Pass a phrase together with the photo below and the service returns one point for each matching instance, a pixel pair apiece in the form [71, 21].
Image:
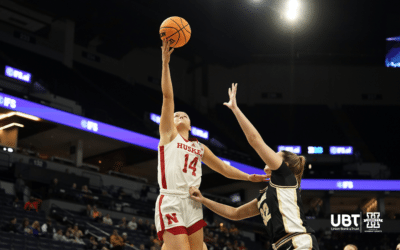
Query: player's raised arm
[167, 127]
[269, 156]
[245, 211]
[230, 172]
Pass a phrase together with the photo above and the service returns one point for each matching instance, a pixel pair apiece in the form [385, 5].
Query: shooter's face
[182, 120]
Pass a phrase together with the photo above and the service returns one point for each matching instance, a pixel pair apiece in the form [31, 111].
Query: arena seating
[301, 124]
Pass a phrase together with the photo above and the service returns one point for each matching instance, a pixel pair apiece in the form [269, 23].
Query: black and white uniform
[282, 211]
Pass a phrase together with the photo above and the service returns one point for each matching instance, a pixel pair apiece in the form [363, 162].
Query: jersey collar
[190, 139]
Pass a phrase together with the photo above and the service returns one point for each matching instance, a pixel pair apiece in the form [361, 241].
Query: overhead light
[12, 124]
[31, 117]
[292, 11]
[10, 150]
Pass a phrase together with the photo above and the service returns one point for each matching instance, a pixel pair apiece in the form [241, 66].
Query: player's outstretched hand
[166, 51]
[232, 97]
[195, 194]
[259, 178]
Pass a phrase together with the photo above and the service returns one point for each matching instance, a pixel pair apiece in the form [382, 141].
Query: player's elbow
[235, 215]
[168, 96]
[254, 140]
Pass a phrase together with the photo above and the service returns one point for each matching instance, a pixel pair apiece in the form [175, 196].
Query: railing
[111, 172]
[107, 234]
[90, 167]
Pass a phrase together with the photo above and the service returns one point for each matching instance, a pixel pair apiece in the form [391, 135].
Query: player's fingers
[229, 91]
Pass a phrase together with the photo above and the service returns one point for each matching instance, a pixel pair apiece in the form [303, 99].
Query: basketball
[176, 30]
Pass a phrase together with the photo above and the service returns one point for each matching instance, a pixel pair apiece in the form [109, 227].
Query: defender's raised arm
[269, 156]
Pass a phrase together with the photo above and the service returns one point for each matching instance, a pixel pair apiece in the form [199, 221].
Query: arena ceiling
[236, 31]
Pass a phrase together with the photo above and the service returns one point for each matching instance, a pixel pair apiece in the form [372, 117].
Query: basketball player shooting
[179, 219]
[280, 202]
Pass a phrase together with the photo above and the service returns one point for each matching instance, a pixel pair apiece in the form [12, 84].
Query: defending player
[179, 220]
[280, 202]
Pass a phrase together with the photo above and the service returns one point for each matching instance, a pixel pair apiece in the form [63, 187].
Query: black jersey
[281, 207]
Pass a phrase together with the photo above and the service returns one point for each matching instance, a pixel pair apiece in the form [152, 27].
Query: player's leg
[165, 248]
[195, 224]
[179, 241]
[196, 240]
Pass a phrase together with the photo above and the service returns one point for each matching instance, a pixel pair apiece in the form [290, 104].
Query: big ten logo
[345, 220]
[162, 34]
[171, 218]
[8, 102]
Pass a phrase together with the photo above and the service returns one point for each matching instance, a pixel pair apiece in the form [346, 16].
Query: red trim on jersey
[174, 231]
[183, 138]
[177, 230]
[161, 218]
[196, 227]
[162, 160]
[190, 139]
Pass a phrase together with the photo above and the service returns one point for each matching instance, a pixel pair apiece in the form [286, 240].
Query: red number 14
[192, 164]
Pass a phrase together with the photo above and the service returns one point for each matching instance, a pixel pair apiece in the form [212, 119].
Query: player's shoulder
[166, 140]
[283, 177]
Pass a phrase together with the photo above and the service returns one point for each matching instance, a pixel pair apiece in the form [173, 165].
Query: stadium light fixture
[12, 124]
[292, 10]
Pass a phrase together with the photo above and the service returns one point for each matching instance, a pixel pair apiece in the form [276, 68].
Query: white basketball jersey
[179, 165]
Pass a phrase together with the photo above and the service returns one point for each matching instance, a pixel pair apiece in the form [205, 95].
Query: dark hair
[23, 222]
[296, 164]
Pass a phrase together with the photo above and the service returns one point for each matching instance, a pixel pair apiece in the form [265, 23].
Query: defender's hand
[259, 178]
[195, 194]
[232, 97]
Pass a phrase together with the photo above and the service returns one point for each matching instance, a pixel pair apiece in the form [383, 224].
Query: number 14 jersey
[179, 165]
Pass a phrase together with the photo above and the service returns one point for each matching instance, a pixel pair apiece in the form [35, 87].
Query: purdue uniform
[282, 211]
[179, 167]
